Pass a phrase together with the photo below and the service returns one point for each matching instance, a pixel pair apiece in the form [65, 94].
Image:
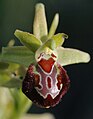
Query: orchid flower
[43, 54]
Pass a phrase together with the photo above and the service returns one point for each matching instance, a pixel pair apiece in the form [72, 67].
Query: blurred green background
[76, 20]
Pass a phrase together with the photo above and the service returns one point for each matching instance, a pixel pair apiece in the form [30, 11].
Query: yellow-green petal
[59, 39]
[29, 40]
[54, 25]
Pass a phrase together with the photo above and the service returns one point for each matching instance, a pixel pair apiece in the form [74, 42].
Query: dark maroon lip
[39, 87]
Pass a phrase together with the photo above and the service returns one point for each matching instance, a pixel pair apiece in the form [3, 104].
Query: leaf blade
[18, 54]
[67, 56]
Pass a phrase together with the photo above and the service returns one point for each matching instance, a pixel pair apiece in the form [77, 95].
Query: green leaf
[18, 54]
[24, 104]
[40, 24]
[59, 39]
[67, 56]
[54, 26]
[13, 103]
[29, 40]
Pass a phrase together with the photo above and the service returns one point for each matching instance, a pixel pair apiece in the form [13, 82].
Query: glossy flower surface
[46, 83]
[44, 56]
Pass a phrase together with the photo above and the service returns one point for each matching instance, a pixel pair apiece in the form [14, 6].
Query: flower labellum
[45, 83]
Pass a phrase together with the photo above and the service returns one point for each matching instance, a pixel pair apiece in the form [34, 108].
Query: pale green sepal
[59, 39]
[67, 56]
[54, 26]
[40, 23]
[18, 54]
[29, 40]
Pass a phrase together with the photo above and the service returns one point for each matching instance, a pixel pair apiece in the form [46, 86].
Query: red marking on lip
[59, 78]
[49, 82]
[40, 55]
[46, 65]
[53, 55]
[37, 80]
